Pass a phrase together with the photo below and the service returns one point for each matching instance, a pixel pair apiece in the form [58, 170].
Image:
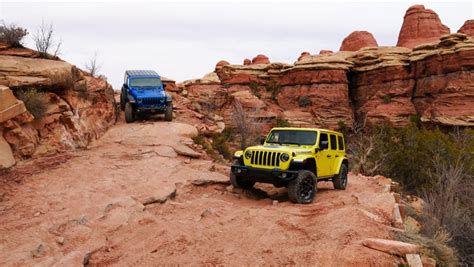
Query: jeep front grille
[152, 101]
[265, 158]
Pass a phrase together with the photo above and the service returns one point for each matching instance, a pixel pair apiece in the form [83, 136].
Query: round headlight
[248, 155]
[284, 157]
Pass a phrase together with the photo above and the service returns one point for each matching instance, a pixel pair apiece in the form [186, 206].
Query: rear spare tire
[129, 113]
[240, 183]
[303, 188]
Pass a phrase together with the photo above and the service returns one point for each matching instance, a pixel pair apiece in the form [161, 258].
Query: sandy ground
[132, 200]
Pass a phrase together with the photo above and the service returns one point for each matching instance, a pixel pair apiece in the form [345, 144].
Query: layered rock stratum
[79, 108]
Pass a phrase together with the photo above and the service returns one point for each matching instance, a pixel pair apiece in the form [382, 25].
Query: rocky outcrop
[247, 61]
[382, 85]
[444, 75]
[260, 59]
[325, 52]
[357, 40]
[467, 28]
[78, 108]
[303, 54]
[222, 63]
[420, 26]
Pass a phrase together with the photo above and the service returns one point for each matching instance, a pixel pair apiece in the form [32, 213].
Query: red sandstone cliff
[420, 26]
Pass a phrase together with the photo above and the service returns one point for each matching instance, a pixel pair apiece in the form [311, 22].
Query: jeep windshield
[289, 137]
[145, 82]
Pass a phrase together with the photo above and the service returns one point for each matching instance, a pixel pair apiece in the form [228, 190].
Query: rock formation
[467, 28]
[222, 63]
[260, 59]
[357, 40]
[247, 61]
[78, 108]
[420, 26]
[325, 52]
[303, 54]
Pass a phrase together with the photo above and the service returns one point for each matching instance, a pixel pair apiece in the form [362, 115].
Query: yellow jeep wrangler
[296, 158]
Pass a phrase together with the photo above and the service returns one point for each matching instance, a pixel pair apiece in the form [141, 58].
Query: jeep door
[324, 160]
[333, 152]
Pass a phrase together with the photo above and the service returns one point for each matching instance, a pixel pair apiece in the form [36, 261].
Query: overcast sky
[185, 40]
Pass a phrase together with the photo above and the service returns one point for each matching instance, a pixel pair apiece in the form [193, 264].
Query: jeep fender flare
[339, 163]
[130, 98]
[302, 163]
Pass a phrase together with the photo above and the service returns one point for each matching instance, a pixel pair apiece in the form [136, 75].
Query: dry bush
[93, 66]
[245, 126]
[45, 41]
[34, 100]
[12, 35]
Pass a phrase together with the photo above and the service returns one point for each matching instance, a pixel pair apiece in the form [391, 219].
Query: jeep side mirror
[125, 86]
[164, 86]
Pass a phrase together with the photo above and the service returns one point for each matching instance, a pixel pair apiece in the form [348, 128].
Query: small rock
[205, 195]
[414, 260]
[229, 188]
[212, 168]
[187, 161]
[275, 202]
[37, 214]
[390, 246]
[38, 252]
[60, 240]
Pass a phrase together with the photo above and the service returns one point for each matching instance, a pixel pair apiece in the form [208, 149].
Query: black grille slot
[152, 101]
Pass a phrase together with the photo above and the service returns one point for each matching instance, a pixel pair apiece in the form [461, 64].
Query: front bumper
[270, 176]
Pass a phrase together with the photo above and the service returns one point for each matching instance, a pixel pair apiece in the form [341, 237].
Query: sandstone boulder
[420, 26]
[222, 63]
[247, 62]
[303, 54]
[467, 28]
[357, 40]
[6, 155]
[260, 59]
[325, 52]
[390, 246]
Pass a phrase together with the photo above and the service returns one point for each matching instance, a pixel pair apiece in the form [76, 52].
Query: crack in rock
[160, 200]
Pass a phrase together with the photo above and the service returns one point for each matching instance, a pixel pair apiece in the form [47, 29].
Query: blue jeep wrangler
[143, 93]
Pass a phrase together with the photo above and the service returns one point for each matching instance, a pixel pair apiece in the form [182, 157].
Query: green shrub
[255, 89]
[12, 35]
[274, 88]
[387, 99]
[219, 143]
[304, 101]
[34, 100]
[280, 122]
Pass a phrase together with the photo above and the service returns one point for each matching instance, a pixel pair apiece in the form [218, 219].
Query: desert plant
[45, 41]
[12, 35]
[281, 122]
[304, 101]
[255, 89]
[219, 143]
[245, 126]
[274, 88]
[387, 99]
[93, 66]
[34, 100]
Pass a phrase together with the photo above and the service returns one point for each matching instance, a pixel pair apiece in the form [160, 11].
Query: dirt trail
[131, 199]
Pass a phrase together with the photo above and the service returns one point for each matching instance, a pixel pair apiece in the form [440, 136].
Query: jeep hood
[152, 93]
[281, 148]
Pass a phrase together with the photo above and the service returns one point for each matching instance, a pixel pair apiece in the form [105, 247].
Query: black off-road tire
[169, 112]
[303, 189]
[129, 113]
[122, 102]
[340, 181]
[239, 183]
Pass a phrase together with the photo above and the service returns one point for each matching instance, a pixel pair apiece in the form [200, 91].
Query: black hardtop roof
[142, 73]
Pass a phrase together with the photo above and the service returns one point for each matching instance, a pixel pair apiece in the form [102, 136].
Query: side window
[340, 142]
[333, 142]
[323, 141]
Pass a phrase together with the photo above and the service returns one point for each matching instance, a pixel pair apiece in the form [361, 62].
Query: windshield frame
[267, 140]
[159, 85]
